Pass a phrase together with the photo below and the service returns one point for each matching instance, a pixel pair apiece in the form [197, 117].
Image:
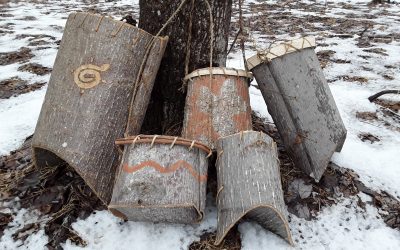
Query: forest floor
[356, 205]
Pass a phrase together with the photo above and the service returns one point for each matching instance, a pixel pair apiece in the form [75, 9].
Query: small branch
[234, 42]
[373, 97]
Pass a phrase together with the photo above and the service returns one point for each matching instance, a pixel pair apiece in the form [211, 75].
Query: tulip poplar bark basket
[161, 179]
[249, 184]
[103, 75]
[300, 102]
[217, 104]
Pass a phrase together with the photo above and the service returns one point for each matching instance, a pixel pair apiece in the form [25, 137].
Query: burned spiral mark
[87, 76]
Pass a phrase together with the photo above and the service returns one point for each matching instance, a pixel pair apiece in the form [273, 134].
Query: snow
[342, 226]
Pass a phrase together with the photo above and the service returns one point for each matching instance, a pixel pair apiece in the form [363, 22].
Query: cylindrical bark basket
[103, 68]
[161, 179]
[217, 104]
[300, 102]
[249, 184]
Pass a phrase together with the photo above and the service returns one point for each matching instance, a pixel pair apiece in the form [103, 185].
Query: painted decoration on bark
[87, 76]
[180, 164]
[161, 179]
[216, 105]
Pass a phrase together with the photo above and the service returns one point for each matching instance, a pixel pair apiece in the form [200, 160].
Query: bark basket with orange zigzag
[217, 104]
[161, 179]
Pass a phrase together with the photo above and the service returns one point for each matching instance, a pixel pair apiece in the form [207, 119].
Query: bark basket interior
[300, 102]
[161, 179]
[103, 67]
[217, 104]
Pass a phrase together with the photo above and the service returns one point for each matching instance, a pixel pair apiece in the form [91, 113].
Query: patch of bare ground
[15, 86]
[63, 196]
[206, 242]
[57, 192]
[20, 56]
[35, 68]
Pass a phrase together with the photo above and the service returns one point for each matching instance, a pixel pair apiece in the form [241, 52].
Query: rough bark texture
[303, 109]
[88, 97]
[249, 184]
[217, 106]
[159, 183]
[166, 108]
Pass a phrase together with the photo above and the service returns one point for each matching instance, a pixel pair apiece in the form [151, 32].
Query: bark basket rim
[289, 239]
[163, 139]
[123, 24]
[219, 71]
[280, 50]
[113, 208]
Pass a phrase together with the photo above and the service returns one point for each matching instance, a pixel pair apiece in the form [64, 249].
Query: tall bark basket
[217, 104]
[161, 179]
[249, 184]
[102, 67]
[299, 100]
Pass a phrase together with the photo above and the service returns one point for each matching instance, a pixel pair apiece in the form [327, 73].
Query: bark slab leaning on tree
[161, 179]
[299, 100]
[249, 184]
[102, 67]
[216, 105]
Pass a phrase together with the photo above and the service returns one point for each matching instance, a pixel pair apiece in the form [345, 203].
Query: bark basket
[299, 100]
[249, 184]
[217, 104]
[161, 179]
[103, 68]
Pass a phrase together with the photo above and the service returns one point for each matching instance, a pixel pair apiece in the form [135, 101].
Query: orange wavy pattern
[174, 167]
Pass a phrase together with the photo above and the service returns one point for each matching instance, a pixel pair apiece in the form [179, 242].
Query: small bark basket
[103, 68]
[299, 100]
[249, 184]
[161, 179]
[217, 104]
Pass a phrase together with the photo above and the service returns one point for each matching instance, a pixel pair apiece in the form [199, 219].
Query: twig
[384, 92]
[234, 42]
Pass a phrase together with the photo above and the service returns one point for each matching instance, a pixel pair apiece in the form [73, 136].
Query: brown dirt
[16, 86]
[20, 56]
[35, 68]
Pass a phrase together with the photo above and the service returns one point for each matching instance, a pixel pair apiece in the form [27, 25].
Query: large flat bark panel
[90, 90]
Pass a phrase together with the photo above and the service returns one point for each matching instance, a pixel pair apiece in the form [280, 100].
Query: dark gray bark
[87, 101]
[303, 109]
[166, 109]
[161, 182]
[216, 107]
[249, 184]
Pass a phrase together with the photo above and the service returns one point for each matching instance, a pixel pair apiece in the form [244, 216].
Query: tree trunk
[165, 112]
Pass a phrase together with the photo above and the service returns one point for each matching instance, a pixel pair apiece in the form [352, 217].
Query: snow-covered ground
[342, 226]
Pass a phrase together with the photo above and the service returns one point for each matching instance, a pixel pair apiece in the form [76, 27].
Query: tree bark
[161, 179]
[216, 107]
[249, 184]
[300, 102]
[166, 109]
[90, 90]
